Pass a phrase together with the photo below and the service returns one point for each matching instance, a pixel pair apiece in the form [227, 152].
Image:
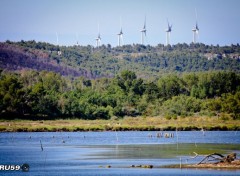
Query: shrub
[182, 105]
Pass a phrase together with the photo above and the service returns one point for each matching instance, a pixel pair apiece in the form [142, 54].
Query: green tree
[170, 86]
[231, 104]
[12, 95]
[181, 105]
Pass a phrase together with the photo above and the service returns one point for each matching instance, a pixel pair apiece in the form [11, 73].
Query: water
[89, 153]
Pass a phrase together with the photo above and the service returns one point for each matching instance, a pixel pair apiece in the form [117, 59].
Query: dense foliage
[132, 80]
[32, 94]
[106, 61]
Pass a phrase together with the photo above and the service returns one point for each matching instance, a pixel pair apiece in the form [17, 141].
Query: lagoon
[91, 153]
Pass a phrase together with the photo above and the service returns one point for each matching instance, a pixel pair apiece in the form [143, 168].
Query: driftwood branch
[193, 157]
[219, 158]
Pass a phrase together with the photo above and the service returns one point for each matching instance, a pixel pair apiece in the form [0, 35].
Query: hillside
[40, 80]
[107, 61]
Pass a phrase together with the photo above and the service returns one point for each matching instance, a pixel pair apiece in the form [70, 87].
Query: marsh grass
[124, 124]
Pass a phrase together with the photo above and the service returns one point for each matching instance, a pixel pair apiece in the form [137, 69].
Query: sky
[78, 20]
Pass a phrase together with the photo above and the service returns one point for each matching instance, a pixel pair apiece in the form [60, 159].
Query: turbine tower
[58, 50]
[120, 36]
[57, 37]
[168, 31]
[195, 33]
[98, 39]
[77, 38]
[143, 31]
[195, 30]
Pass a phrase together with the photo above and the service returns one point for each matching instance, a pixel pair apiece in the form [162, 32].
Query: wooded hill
[106, 61]
[40, 80]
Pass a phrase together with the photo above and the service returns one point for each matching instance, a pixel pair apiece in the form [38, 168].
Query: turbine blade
[196, 20]
[168, 23]
[196, 13]
[145, 24]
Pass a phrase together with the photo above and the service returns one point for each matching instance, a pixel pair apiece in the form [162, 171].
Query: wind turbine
[98, 39]
[58, 51]
[195, 30]
[168, 31]
[120, 36]
[77, 38]
[143, 31]
[57, 37]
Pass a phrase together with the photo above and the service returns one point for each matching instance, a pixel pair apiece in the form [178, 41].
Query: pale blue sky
[219, 20]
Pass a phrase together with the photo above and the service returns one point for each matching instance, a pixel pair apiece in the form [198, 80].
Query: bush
[174, 116]
[182, 105]
[101, 113]
[168, 117]
[224, 117]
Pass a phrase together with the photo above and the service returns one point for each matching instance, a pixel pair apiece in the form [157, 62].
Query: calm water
[88, 153]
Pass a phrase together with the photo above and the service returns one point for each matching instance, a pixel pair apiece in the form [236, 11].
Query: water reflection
[88, 153]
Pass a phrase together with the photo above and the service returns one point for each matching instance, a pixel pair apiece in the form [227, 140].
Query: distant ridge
[14, 57]
[106, 61]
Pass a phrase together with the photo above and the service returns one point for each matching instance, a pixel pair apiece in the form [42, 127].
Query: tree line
[48, 95]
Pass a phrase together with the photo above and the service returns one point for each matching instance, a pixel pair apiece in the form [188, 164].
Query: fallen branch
[218, 157]
[193, 157]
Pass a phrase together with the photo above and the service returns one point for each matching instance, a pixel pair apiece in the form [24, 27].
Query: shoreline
[124, 124]
[205, 166]
[93, 129]
[83, 129]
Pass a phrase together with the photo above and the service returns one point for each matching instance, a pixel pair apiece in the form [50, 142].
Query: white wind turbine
[195, 30]
[59, 51]
[120, 35]
[168, 31]
[143, 31]
[77, 38]
[98, 39]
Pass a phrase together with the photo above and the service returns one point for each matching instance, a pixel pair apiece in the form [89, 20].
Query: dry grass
[127, 123]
